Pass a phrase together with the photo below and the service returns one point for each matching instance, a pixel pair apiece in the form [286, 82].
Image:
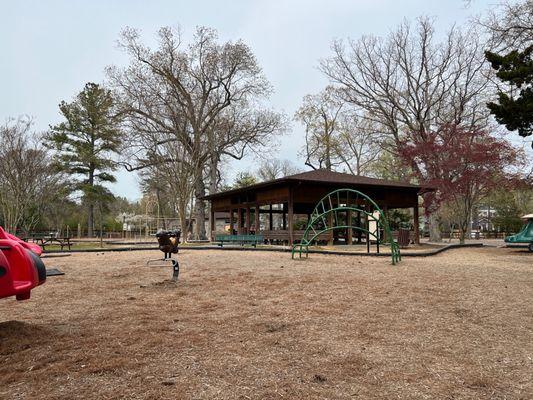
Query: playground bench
[240, 239]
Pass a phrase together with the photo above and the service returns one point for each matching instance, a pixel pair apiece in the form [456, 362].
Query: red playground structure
[30, 246]
[21, 268]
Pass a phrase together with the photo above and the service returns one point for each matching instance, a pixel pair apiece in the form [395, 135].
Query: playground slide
[525, 235]
[21, 270]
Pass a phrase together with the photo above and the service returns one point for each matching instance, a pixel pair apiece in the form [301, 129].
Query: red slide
[21, 269]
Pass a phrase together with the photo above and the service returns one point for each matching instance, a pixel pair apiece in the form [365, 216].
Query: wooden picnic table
[44, 241]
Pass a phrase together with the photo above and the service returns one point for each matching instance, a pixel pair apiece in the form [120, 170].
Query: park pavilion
[279, 209]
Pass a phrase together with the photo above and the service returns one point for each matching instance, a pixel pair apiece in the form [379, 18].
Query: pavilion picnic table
[239, 239]
[47, 240]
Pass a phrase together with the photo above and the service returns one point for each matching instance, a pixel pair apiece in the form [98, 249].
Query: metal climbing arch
[327, 216]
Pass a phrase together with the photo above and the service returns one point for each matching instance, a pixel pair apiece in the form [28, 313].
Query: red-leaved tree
[463, 164]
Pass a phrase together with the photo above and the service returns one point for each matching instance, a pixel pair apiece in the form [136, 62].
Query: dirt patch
[240, 325]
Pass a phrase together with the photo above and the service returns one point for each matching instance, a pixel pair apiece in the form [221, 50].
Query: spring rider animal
[168, 244]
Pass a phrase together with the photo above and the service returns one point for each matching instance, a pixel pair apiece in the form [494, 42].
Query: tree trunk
[473, 221]
[466, 223]
[160, 208]
[462, 236]
[101, 225]
[434, 228]
[182, 211]
[90, 220]
[90, 216]
[328, 152]
[12, 215]
[212, 186]
[199, 208]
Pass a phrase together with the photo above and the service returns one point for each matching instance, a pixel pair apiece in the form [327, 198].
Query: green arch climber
[325, 218]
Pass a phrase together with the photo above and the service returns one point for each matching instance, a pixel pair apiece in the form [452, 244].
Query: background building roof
[324, 177]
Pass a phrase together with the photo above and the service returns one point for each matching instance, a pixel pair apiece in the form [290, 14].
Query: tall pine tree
[85, 143]
[514, 109]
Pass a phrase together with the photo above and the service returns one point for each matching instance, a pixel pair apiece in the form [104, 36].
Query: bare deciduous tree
[408, 82]
[509, 25]
[359, 144]
[336, 135]
[274, 168]
[205, 96]
[319, 114]
[172, 178]
[27, 180]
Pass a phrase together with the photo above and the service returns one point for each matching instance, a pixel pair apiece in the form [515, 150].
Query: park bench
[239, 239]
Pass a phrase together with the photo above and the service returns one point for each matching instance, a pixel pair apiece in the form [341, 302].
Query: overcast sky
[50, 49]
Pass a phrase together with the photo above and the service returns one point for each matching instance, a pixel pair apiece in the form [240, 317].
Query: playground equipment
[21, 269]
[327, 217]
[168, 244]
[30, 246]
[525, 235]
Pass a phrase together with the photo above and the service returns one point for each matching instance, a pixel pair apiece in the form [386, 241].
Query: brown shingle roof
[323, 176]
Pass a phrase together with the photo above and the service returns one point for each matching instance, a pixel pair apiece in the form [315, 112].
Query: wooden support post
[284, 217]
[349, 238]
[367, 224]
[330, 224]
[385, 210]
[359, 233]
[256, 218]
[270, 219]
[213, 225]
[231, 222]
[248, 220]
[416, 223]
[239, 221]
[378, 237]
[291, 215]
